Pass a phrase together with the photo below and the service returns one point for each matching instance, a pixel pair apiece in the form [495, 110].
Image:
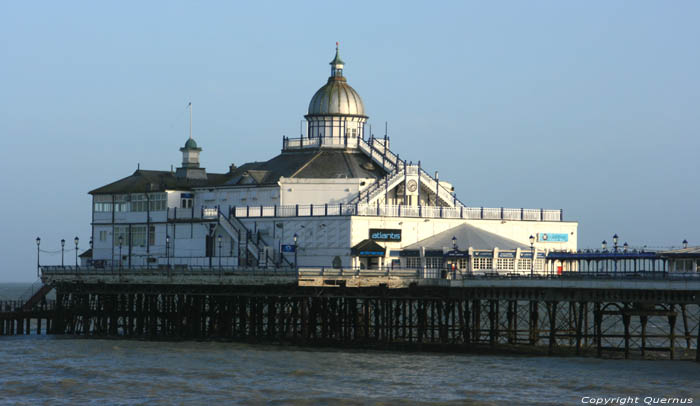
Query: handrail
[352, 272]
[363, 209]
[441, 187]
[248, 237]
[396, 165]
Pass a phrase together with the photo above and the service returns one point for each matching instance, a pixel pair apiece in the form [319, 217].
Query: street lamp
[121, 241]
[615, 239]
[38, 243]
[532, 252]
[63, 244]
[219, 240]
[296, 238]
[604, 245]
[625, 246]
[167, 249]
[685, 243]
[454, 243]
[76, 240]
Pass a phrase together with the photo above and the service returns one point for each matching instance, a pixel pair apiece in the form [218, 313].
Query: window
[121, 203]
[524, 264]
[123, 232]
[483, 263]
[138, 236]
[413, 262]
[684, 265]
[505, 263]
[103, 235]
[102, 203]
[433, 262]
[103, 207]
[353, 133]
[186, 203]
[462, 263]
[152, 235]
[138, 202]
[157, 201]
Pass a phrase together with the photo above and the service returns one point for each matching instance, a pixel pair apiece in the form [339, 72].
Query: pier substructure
[598, 322]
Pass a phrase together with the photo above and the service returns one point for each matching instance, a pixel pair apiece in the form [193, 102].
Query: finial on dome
[337, 63]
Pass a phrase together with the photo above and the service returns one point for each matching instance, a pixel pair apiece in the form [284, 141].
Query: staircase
[396, 171]
[257, 246]
[36, 297]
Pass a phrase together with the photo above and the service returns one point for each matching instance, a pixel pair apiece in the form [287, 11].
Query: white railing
[315, 142]
[362, 209]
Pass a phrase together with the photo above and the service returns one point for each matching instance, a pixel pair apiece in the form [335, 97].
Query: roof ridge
[306, 164]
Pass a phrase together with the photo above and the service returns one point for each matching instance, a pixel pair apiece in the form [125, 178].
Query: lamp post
[219, 241]
[604, 245]
[63, 244]
[615, 240]
[76, 241]
[685, 244]
[296, 238]
[121, 241]
[167, 250]
[532, 252]
[38, 244]
[454, 243]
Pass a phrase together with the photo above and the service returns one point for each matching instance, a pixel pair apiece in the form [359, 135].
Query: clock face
[412, 185]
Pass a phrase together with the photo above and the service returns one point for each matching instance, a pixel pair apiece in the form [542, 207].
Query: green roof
[337, 60]
[190, 144]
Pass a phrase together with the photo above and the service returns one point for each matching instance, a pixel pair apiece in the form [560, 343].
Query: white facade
[251, 215]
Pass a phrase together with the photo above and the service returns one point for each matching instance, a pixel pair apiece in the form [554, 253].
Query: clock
[412, 185]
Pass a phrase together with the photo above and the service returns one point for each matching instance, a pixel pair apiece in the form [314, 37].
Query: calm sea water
[38, 370]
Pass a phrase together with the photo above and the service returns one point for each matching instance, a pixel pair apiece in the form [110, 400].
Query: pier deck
[630, 316]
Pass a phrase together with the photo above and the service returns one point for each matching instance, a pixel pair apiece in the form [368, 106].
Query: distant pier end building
[336, 197]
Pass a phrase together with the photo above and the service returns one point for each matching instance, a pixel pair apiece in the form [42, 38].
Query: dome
[336, 97]
[190, 144]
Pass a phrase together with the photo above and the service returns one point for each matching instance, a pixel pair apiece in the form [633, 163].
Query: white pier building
[335, 198]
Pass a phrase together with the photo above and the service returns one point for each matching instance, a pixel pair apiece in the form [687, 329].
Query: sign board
[371, 253]
[529, 255]
[288, 248]
[552, 237]
[384, 234]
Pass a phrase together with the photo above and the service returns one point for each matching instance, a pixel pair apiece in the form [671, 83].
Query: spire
[337, 63]
[190, 106]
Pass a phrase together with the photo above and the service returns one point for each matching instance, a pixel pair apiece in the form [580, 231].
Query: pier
[640, 315]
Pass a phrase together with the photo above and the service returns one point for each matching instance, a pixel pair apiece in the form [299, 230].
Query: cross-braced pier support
[548, 321]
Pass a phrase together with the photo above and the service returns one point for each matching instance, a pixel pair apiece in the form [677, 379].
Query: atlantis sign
[383, 234]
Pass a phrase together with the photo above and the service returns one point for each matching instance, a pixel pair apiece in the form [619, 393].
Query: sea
[51, 370]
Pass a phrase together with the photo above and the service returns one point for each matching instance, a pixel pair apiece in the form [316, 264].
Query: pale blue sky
[587, 106]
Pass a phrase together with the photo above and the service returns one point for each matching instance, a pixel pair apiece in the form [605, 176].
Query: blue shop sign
[383, 234]
[552, 237]
[529, 255]
[288, 248]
